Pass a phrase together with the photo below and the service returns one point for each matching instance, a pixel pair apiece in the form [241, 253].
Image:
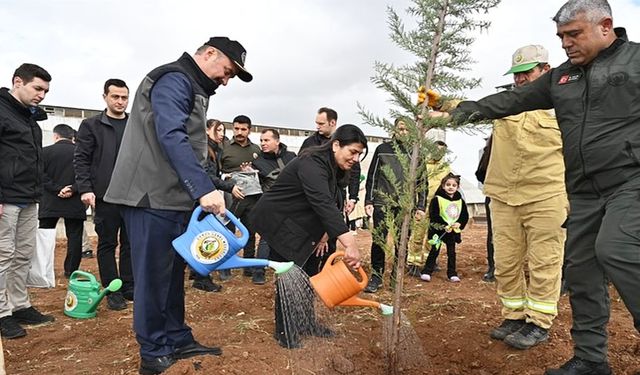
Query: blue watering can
[207, 245]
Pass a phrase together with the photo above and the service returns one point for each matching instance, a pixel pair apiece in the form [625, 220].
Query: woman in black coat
[300, 212]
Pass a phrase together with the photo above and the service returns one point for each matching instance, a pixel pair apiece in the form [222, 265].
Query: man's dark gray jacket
[598, 111]
[143, 175]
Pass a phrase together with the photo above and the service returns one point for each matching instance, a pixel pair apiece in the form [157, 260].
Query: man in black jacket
[595, 97]
[269, 164]
[381, 191]
[97, 144]
[60, 197]
[20, 190]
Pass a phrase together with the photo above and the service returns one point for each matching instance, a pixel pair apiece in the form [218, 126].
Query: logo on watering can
[209, 247]
[71, 301]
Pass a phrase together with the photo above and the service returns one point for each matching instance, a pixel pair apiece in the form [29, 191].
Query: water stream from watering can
[295, 305]
[411, 354]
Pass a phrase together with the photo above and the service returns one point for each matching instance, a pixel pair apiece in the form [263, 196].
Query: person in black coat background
[60, 198]
[269, 164]
[302, 209]
[97, 144]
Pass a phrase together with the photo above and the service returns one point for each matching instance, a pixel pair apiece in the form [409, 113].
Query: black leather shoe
[194, 349]
[30, 315]
[128, 294]
[578, 366]
[156, 365]
[10, 328]
[116, 301]
[206, 284]
[258, 277]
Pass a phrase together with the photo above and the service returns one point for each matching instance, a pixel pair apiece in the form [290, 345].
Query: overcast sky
[302, 54]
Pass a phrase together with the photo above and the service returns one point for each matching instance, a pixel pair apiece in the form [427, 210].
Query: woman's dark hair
[213, 122]
[345, 135]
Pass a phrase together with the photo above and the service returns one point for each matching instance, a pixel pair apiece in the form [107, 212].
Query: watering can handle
[363, 275]
[245, 233]
[77, 273]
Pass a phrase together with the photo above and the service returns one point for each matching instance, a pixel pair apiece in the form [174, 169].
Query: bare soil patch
[452, 322]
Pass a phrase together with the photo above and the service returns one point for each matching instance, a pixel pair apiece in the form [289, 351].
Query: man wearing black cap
[158, 177]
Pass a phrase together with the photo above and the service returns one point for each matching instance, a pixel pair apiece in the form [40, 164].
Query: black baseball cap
[234, 51]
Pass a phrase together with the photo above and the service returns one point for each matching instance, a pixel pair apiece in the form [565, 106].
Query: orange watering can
[337, 285]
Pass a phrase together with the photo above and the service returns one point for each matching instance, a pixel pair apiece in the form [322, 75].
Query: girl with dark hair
[301, 210]
[448, 214]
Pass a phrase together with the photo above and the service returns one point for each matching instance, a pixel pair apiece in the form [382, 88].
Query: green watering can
[84, 294]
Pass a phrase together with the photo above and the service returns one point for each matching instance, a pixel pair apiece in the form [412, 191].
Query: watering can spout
[386, 309]
[237, 262]
[357, 301]
[113, 286]
[280, 267]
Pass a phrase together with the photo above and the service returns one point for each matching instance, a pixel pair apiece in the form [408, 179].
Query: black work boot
[489, 276]
[507, 327]
[527, 336]
[578, 366]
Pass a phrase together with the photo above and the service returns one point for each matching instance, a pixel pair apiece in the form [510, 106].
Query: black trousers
[242, 210]
[603, 244]
[73, 229]
[315, 263]
[382, 230]
[110, 227]
[490, 262]
[430, 264]
[158, 307]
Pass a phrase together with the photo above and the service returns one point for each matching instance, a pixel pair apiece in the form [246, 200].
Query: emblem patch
[617, 78]
[569, 78]
[452, 211]
[209, 247]
[70, 302]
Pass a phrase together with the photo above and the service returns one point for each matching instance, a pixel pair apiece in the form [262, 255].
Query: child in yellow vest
[449, 215]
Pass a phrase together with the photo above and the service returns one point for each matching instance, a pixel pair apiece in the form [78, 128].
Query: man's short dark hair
[275, 133]
[330, 113]
[114, 82]
[64, 131]
[242, 119]
[27, 72]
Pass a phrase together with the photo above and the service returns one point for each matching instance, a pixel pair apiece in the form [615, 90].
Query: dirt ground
[452, 321]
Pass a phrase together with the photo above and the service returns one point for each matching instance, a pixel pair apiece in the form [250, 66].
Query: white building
[292, 137]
